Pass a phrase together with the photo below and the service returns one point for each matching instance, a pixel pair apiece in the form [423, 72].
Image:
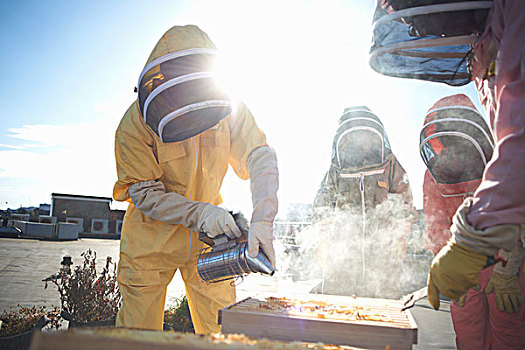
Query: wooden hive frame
[245, 317]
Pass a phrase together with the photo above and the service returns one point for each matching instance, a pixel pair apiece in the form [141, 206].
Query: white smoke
[332, 248]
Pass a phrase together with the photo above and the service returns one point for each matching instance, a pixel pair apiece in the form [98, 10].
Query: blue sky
[69, 67]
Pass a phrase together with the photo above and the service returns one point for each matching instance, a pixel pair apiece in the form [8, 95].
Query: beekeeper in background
[456, 145]
[172, 148]
[363, 211]
[485, 42]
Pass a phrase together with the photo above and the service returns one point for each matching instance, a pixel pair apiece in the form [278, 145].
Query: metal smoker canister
[231, 261]
[225, 259]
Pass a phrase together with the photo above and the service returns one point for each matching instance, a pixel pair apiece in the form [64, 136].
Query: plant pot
[22, 341]
[104, 323]
[78, 324]
[17, 342]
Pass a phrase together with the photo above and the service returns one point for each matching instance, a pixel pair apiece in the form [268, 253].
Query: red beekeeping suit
[440, 202]
[477, 322]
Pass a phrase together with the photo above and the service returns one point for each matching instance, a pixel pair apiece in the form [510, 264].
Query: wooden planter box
[247, 318]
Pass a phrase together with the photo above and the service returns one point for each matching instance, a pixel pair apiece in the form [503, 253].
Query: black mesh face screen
[193, 123]
[173, 69]
[180, 98]
[412, 40]
[455, 145]
[359, 149]
[452, 159]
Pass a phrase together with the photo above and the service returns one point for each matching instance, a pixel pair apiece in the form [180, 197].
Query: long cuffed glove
[215, 221]
[151, 198]
[261, 236]
[264, 183]
[461, 301]
[504, 280]
[456, 267]
[507, 291]
[454, 270]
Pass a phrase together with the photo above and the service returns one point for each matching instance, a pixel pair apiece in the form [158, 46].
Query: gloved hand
[507, 291]
[261, 235]
[461, 301]
[453, 271]
[215, 221]
[264, 182]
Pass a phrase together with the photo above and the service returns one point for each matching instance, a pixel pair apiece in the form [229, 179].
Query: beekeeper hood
[455, 142]
[177, 93]
[360, 141]
[427, 39]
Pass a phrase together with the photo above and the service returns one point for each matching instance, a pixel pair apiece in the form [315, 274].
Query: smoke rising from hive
[331, 248]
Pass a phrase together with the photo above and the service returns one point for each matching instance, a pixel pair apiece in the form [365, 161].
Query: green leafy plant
[177, 315]
[24, 319]
[86, 296]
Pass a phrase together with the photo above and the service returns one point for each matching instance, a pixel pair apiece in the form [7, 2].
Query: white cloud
[75, 159]
[2, 145]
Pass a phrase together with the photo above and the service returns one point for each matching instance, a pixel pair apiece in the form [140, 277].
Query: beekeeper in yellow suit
[173, 147]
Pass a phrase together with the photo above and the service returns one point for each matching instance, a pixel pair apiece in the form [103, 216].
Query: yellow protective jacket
[151, 250]
[193, 168]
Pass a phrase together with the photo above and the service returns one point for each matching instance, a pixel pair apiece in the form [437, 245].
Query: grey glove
[507, 291]
[215, 221]
[264, 182]
[151, 198]
[261, 236]
[504, 280]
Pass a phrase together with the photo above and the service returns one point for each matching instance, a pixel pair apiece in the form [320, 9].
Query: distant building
[93, 213]
[44, 209]
[117, 216]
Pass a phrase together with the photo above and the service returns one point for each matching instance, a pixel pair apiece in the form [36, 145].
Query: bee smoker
[226, 259]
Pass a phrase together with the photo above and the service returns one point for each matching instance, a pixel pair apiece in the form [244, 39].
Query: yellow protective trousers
[144, 290]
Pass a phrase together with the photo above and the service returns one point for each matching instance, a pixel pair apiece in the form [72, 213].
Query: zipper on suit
[363, 214]
[361, 175]
[194, 174]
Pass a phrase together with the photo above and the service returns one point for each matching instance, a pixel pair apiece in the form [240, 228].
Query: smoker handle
[220, 239]
[410, 299]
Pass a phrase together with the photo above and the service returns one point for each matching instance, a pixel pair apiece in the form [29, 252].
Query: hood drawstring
[361, 175]
[363, 214]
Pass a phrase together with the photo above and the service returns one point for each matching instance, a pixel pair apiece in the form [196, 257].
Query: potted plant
[177, 316]
[87, 298]
[17, 326]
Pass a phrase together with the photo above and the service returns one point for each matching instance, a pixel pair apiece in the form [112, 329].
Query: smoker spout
[260, 263]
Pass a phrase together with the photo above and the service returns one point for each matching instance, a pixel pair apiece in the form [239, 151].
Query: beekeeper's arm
[400, 185]
[437, 222]
[456, 267]
[324, 205]
[326, 196]
[138, 181]
[251, 157]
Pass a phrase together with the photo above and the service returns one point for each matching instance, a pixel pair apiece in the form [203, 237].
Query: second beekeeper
[363, 211]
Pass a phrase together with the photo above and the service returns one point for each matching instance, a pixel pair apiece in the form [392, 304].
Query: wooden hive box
[251, 317]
